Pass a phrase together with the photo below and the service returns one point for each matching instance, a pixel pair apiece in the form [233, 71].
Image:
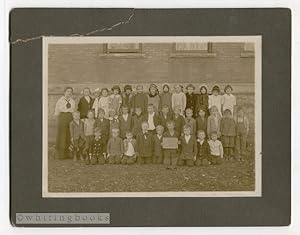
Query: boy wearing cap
[215, 99]
[140, 99]
[191, 99]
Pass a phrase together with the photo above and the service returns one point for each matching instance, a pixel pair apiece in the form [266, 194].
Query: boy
[157, 157]
[103, 124]
[151, 118]
[203, 150]
[127, 98]
[165, 116]
[145, 144]
[77, 135]
[115, 147]
[97, 149]
[216, 149]
[228, 132]
[125, 122]
[188, 147]
[129, 149]
[213, 122]
[178, 120]
[216, 99]
[170, 155]
[137, 121]
[89, 124]
[189, 120]
[191, 98]
[140, 99]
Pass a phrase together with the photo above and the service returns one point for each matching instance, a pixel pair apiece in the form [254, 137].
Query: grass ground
[69, 176]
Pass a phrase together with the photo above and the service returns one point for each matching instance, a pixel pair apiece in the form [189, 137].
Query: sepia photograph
[145, 116]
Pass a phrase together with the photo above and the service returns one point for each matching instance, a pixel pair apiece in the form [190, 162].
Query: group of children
[127, 128]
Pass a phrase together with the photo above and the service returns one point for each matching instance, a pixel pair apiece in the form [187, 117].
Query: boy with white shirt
[129, 149]
[216, 149]
[188, 148]
[152, 118]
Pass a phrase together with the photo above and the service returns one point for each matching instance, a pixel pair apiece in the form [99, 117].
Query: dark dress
[202, 101]
[191, 102]
[84, 106]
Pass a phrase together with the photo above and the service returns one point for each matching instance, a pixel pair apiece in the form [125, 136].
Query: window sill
[122, 55]
[193, 55]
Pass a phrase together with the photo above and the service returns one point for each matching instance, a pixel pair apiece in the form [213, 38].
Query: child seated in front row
[216, 149]
[77, 135]
[98, 148]
[170, 155]
[115, 148]
[129, 149]
[145, 144]
[188, 147]
[203, 150]
[157, 157]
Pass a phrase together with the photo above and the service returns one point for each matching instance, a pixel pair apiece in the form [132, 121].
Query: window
[123, 48]
[192, 49]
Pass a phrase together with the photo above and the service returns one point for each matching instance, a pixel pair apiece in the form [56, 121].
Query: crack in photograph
[170, 116]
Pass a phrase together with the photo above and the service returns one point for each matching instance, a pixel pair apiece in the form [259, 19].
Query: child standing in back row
[154, 98]
[191, 99]
[140, 99]
[104, 102]
[229, 100]
[203, 99]
[216, 100]
[166, 97]
[179, 99]
[115, 99]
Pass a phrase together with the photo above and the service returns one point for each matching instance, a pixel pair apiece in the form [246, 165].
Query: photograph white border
[257, 39]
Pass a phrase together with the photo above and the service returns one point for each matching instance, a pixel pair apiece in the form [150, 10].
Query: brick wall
[81, 65]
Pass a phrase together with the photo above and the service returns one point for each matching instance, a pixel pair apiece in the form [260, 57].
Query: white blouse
[61, 106]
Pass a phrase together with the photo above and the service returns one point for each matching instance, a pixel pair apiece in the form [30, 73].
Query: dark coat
[140, 100]
[202, 101]
[104, 126]
[203, 150]
[156, 119]
[227, 127]
[137, 122]
[163, 120]
[125, 125]
[188, 149]
[76, 130]
[84, 106]
[158, 151]
[144, 144]
[201, 124]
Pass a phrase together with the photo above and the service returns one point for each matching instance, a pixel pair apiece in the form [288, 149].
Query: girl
[179, 98]
[216, 99]
[85, 103]
[213, 122]
[153, 97]
[227, 129]
[242, 130]
[140, 99]
[191, 99]
[95, 107]
[127, 97]
[166, 97]
[115, 99]
[104, 101]
[229, 100]
[203, 99]
[64, 108]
